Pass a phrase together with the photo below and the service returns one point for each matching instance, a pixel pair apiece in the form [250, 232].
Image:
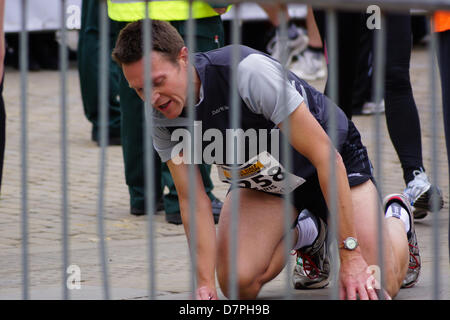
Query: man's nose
[155, 97]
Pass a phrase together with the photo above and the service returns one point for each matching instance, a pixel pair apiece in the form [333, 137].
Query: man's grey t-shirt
[262, 86]
[267, 96]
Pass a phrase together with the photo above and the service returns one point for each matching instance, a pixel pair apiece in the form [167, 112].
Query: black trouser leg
[350, 27]
[444, 64]
[402, 117]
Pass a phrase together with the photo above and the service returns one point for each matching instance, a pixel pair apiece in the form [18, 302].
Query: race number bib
[263, 173]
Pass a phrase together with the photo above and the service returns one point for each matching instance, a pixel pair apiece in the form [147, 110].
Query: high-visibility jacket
[119, 10]
[442, 21]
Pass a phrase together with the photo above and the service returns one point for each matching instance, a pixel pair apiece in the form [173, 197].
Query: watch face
[351, 243]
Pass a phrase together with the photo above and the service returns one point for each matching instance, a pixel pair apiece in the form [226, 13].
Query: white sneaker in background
[419, 193]
[371, 107]
[294, 46]
[309, 65]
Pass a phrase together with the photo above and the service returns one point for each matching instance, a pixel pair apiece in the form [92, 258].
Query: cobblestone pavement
[126, 235]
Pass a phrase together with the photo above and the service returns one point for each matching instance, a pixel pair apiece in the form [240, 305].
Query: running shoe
[412, 274]
[293, 46]
[309, 65]
[371, 107]
[419, 193]
[312, 268]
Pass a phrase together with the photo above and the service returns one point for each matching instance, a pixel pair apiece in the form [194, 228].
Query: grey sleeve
[261, 84]
[162, 143]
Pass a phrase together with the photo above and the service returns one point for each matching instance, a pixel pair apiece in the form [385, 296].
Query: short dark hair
[129, 44]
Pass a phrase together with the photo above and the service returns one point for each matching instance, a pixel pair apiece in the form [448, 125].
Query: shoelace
[411, 254]
[308, 265]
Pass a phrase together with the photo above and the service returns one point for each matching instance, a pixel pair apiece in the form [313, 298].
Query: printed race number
[263, 173]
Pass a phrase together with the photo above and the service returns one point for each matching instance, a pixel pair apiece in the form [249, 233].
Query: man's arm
[206, 232]
[309, 138]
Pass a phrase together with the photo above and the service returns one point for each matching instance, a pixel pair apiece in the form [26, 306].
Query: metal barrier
[331, 7]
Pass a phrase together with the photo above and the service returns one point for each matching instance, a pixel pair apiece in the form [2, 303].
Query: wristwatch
[350, 244]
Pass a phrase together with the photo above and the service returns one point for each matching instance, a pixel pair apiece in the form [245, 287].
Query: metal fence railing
[330, 6]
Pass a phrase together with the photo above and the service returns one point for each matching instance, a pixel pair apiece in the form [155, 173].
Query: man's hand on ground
[355, 279]
[206, 293]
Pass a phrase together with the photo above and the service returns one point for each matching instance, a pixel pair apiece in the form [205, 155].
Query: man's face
[169, 82]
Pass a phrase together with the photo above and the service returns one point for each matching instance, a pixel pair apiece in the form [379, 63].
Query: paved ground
[126, 235]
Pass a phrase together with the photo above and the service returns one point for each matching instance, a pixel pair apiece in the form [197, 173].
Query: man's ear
[183, 55]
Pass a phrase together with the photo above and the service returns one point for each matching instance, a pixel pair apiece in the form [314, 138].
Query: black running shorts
[359, 170]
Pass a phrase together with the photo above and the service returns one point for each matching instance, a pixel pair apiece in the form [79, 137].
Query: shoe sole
[174, 218]
[420, 214]
[137, 212]
[313, 285]
[410, 285]
[320, 74]
[305, 76]
[423, 201]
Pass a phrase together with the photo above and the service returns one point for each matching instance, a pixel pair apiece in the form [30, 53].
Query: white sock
[397, 211]
[307, 229]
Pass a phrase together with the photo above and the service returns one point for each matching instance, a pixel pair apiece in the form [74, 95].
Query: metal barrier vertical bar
[103, 97]
[148, 155]
[331, 31]
[235, 124]
[434, 162]
[191, 120]
[286, 154]
[64, 148]
[379, 76]
[24, 147]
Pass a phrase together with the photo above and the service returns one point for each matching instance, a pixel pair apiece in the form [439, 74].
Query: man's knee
[248, 284]
[393, 285]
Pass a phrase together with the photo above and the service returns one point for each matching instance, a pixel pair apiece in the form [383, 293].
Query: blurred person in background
[402, 117]
[2, 105]
[304, 50]
[442, 27]
[88, 69]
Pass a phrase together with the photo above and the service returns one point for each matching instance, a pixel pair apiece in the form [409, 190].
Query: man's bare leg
[396, 251]
[261, 250]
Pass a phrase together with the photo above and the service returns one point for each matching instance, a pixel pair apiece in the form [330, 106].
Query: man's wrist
[349, 254]
[206, 283]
